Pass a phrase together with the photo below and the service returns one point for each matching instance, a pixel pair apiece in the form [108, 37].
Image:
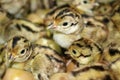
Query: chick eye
[22, 51]
[75, 53]
[85, 2]
[65, 24]
[105, 9]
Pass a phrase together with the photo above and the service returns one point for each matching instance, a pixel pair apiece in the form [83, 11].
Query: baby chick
[103, 9]
[85, 51]
[115, 16]
[94, 29]
[66, 24]
[3, 20]
[44, 62]
[89, 72]
[93, 72]
[16, 49]
[115, 68]
[85, 6]
[15, 7]
[111, 52]
[22, 27]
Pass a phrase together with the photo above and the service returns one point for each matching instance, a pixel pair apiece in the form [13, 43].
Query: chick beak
[52, 26]
[96, 4]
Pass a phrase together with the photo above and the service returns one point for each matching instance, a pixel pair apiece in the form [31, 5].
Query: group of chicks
[61, 39]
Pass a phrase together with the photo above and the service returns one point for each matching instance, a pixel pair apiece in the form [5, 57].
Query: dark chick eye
[85, 2]
[105, 9]
[74, 52]
[27, 49]
[22, 51]
[25, 40]
[89, 23]
[65, 24]
[105, 20]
